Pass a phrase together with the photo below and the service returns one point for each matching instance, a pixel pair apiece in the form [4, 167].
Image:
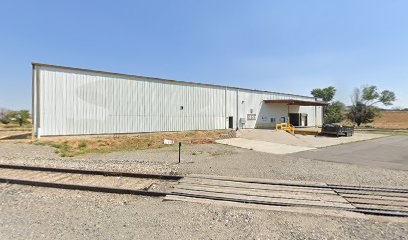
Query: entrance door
[304, 120]
[294, 119]
[230, 122]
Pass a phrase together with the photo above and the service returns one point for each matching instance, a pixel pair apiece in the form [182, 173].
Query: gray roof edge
[165, 80]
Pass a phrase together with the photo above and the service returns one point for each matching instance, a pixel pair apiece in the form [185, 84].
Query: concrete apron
[263, 146]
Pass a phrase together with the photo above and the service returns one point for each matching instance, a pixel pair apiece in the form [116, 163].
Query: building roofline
[34, 64]
[298, 102]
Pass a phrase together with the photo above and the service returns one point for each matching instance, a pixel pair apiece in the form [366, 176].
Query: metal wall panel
[76, 102]
[86, 103]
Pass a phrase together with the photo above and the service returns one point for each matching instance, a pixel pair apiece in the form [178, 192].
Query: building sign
[251, 116]
[168, 141]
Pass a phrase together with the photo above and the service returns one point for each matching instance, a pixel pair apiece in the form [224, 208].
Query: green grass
[63, 149]
[83, 144]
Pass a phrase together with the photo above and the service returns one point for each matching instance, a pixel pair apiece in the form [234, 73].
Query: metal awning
[297, 102]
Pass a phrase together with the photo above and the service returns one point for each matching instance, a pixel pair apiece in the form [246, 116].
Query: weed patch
[69, 147]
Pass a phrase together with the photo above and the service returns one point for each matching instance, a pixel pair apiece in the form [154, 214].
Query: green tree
[20, 117]
[333, 112]
[327, 94]
[364, 109]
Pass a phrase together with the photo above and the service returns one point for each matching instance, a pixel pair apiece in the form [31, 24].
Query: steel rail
[83, 187]
[92, 172]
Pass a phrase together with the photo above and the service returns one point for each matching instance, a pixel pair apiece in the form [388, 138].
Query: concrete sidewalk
[311, 141]
[263, 146]
[281, 142]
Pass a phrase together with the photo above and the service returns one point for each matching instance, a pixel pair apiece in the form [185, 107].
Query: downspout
[33, 102]
[35, 115]
[315, 109]
[37, 103]
[225, 108]
[237, 110]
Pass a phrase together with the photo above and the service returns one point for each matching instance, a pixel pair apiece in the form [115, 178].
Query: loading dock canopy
[297, 102]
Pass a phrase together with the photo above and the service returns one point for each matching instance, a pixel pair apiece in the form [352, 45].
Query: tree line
[15, 117]
[364, 104]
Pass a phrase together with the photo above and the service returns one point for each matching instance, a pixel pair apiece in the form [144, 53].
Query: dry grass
[15, 127]
[394, 120]
[14, 131]
[73, 146]
[386, 120]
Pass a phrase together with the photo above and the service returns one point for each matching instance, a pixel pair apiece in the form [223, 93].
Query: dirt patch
[14, 132]
[73, 146]
[13, 135]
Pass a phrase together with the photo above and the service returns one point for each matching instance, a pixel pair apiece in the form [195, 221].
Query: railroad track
[218, 189]
[86, 180]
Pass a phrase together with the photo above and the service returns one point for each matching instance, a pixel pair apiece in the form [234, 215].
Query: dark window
[181, 107]
[230, 122]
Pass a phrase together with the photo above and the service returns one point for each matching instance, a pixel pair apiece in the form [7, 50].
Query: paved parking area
[389, 152]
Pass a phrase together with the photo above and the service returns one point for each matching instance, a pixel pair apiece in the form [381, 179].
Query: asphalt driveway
[388, 152]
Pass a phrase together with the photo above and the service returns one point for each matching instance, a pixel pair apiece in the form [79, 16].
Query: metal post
[288, 115]
[179, 152]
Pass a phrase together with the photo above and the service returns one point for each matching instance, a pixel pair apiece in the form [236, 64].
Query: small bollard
[179, 152]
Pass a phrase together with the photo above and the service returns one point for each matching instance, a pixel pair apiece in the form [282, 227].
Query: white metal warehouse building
[73, 101]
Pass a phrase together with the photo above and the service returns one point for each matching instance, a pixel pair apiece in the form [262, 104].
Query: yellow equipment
[286, 126]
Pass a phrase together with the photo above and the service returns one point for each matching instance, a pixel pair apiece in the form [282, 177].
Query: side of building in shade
[73, 101]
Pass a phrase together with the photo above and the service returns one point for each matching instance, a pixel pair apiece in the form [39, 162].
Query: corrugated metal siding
[74, 102]
[78, 103]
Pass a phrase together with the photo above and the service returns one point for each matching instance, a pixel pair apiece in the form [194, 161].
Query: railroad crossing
[294, 196]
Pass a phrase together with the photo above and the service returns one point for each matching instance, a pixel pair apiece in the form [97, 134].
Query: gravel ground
[35, 213]
[32, 213]
[213, 159]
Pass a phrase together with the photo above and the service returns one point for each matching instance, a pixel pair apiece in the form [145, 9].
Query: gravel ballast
[34, 213]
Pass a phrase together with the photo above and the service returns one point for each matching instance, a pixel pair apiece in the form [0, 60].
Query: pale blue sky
[284, 46]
